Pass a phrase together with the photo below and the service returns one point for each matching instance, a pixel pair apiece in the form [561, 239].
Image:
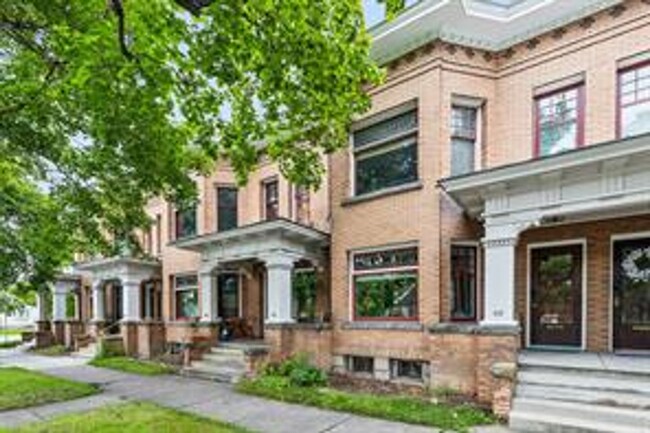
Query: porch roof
[120, 267]
[610, 175]
[254, 240]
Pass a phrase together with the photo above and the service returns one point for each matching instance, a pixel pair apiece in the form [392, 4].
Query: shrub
[298, 371]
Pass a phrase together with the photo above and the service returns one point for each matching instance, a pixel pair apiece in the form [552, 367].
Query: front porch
[567, 246]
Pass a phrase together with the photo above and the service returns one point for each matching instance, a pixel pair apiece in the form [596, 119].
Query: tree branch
[118, 8]
[194, 6]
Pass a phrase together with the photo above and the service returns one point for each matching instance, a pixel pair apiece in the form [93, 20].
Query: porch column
[60, 293]
[499, 282]
[99, 310]
[131, 300]
[279, 269]
[209, 311]
[41, 305]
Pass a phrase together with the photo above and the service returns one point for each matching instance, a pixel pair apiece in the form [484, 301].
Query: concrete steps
[225, 363]
[580, 397]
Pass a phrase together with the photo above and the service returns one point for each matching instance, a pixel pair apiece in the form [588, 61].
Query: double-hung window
[634, 100]
[304, 284]
[271, 199]
[186, 296]
[385, 152]
[559, 121]
[226, 208]
[465, 146]
[301, 197]
[185, 222]
[463, 282]
[385, 284]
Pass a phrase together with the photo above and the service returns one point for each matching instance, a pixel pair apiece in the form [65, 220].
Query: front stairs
[227, 363]
[581, 393]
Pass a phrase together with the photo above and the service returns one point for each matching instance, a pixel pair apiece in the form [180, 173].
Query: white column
[41, 305]
[99, 310]
[279, 269]
[499, 282]
[60, 293]
[209, 311]
[131, 300]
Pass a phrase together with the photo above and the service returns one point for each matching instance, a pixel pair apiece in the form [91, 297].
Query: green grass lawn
[10, 344]
[56, 350]
[13, 332]
[130, 418]
[130, 365]
[22, 388]
[396, 408]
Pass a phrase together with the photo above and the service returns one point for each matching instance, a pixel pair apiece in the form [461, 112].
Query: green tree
[105, 104]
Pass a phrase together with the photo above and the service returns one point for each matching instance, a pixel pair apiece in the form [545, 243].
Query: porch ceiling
[608, 178]
[258, 239]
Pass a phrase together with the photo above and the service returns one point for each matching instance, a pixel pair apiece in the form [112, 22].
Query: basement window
[401, 369]
[360, 364]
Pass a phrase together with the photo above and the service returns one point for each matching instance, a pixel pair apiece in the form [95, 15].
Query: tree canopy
[105, 104]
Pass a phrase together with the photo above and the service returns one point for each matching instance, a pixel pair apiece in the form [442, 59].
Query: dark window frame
[221, 207]
[402, 136]
[302, 204]
[361, 365]
[453, 290]
[397, 367]
[273, 205]
[179, 215]
[580, 116]
[411, 270]
[185, 288]
[474, 136]
[619, 94]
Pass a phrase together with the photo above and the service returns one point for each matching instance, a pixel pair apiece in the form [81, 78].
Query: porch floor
[613, 362]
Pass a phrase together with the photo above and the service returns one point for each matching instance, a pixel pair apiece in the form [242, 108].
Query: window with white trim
[634, 100]
[385, 284]
[465, 140]
[386, 153]
[186, 296]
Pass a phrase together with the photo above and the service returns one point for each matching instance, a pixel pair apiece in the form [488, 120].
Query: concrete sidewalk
[209, 399]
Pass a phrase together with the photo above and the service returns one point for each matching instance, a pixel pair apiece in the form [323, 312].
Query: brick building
[495, 199]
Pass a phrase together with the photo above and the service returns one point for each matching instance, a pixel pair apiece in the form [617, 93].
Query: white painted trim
[612, 240]
[392, 246]
[550, 244]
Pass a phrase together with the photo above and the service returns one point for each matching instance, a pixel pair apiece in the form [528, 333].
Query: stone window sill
[473, 329]
[379, 325]
[411, 186]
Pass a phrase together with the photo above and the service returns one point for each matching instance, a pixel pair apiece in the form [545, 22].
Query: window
[228, 295]
[271, 199]
[404, 369]
[301, 197]
[158, 234]
[634, 100]
[463, 282]
[385, 153]
[385, 284]
[185, 222]
[226, 208]
[186, 295]
[304, 294]
[559, 121]
[360, 364]
[464, 140]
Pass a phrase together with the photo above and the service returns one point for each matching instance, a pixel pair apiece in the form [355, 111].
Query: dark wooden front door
[632, 294]
[228, 296]
[556, 296]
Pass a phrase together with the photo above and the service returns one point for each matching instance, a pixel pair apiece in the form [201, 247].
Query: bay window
[634, 100]
[385, 152]
[186, 296]
[385, 284]
[559, 121]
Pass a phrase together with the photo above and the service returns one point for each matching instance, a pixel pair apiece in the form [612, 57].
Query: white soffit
[492, 25]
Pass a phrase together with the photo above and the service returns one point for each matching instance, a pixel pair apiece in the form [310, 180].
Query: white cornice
[476, 25]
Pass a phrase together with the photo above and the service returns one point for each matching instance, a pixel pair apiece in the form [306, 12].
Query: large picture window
[385, 284]
[385, 153]
[226, 208]
[463, 282]
[186, 296]
[634, 100]
[559, 121]
[185, 222]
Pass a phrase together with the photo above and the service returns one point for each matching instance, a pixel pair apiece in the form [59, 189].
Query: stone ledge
[411, 186]
[318, 326]
[388, 326]
[181, 324]
[473, 329]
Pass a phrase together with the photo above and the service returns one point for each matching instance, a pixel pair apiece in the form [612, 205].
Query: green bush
[297, 371]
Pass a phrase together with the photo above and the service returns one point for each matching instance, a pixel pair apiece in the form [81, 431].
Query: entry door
[556, 296]
[632, 294]
[228, 296]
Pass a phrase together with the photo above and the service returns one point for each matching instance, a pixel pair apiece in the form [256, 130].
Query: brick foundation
[315, 340]
[151, 339]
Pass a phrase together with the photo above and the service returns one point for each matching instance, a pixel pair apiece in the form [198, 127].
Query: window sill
[473, 328]
[411, 186]
[383, 325]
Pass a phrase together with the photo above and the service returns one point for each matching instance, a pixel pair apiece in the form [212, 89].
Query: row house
[494, 201]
